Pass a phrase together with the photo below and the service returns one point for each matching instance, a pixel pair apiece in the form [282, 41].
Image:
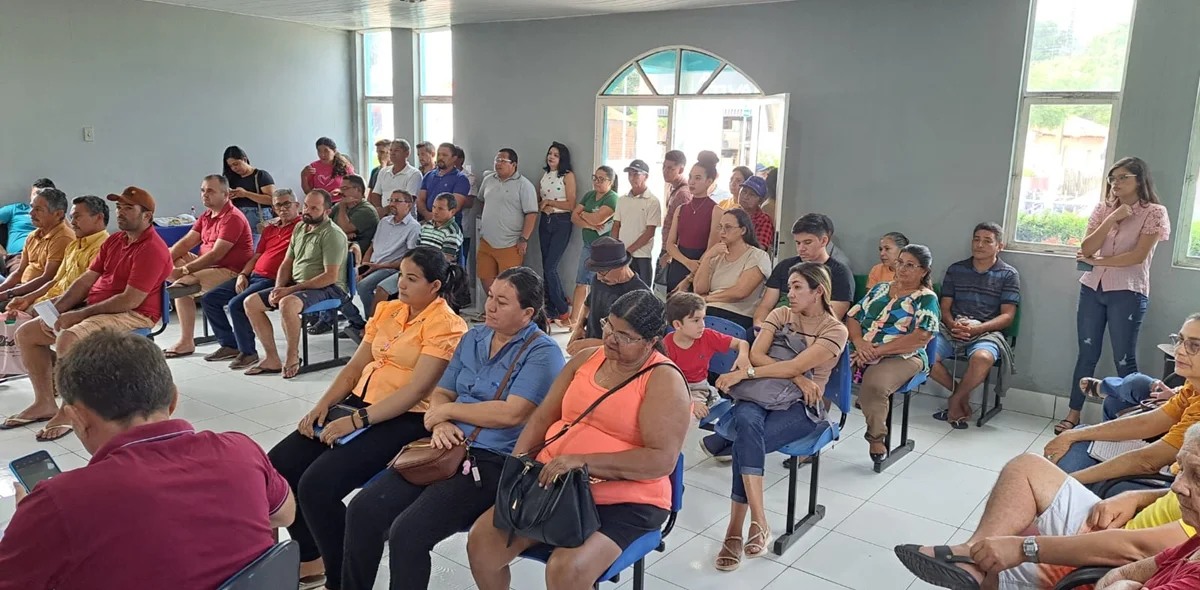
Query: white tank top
[552, 188]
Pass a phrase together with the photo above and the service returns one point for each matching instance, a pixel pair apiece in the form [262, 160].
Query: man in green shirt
[313, 270]
[359, 219]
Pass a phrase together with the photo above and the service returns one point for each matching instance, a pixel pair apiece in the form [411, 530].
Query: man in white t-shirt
[400, 175]
[638, 216]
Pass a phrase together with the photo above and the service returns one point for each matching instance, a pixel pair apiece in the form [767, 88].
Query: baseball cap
[638, 166]
[135, 196]
[757, 185]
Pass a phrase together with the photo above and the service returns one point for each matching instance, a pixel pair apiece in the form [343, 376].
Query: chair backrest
[931, 350]
[722, 362]
[837, 390]
[279, 567]
[860, 287]
[352, 276]
[1013, 328]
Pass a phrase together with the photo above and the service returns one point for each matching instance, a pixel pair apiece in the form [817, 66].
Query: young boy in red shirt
[691, 346]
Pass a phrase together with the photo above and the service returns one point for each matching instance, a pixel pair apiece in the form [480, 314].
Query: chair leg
[639, 574]
[797, 528]
[906, 445]
[208, 337]
[303, 344]
[985, 414]
[336, 361]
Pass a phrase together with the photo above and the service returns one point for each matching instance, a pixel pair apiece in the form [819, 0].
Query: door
[630, 132]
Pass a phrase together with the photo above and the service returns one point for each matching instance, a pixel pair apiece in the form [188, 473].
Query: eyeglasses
[1121, 178]
[598, 178]
[727, 228]
[503, 161]
[1190, 345]
[398, 201]
[606, 331]
[281, 206]
[907, 266]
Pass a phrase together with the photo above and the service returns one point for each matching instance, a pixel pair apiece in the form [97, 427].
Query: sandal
[43, 435]
[1090, 386]
[312, 582]
[258, 370]
[728, 563]
[291, 370]
[938, 570]
[760, 547]
[943, 415]
[1064, 425]
[12, 422]
[960, 424]
[175, 354]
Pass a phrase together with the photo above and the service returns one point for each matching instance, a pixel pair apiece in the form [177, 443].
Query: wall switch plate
[89, 134]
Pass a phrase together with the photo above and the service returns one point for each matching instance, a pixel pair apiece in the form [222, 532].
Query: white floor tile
[937, 489]
[282, 414]
[1018, 421]
[691, 566]
[888, 527]
[989, 447]
[231, 423]
[854, 564]
[796, 579]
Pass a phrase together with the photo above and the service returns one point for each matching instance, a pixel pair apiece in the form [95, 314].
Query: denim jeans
[756, 431]
[1122, 393]
[1122, 312]
[257, 214]
[366, 290]
[240, 335]
[1078, 459]
[554, 232]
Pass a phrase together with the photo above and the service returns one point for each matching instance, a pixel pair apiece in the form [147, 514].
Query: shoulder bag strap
[503, 384]
[589, 409]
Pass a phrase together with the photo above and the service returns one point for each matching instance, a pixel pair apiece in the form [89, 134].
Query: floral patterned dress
[884, 318]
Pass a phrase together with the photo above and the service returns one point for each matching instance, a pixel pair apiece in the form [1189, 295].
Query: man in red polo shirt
[226, 245]
[237, 341]
[159, 505]
[122, 289]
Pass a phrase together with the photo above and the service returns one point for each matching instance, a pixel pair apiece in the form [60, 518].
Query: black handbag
[562, 515]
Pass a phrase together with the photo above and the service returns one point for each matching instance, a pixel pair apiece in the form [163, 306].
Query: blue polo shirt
[20, 225]
[454, 182]
[474, 375]
[979, 295]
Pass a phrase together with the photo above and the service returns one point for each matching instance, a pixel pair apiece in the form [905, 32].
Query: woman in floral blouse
[889, 329]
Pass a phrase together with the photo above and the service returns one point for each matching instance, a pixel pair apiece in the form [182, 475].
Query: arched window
[680, 72]
[683, 98]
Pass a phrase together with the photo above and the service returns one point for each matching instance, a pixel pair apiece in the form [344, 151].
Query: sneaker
[715, 446]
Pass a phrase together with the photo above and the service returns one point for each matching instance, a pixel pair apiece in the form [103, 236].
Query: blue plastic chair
[166, 316]
[837, 391]
[334, 305]
[279, 567]
[635, 554]
[913, 386]
[722, 363]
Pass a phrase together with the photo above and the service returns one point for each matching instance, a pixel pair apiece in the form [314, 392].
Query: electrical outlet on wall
[89, 134]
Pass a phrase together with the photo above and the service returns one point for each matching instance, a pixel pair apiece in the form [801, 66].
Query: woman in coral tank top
[632, 458]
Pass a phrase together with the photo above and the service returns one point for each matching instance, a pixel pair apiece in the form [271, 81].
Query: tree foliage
[1060, 227]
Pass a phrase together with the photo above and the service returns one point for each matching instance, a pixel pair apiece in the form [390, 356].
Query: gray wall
[902, 118]
[166, 89]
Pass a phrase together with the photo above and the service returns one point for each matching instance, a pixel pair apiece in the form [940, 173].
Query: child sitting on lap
[691, 346]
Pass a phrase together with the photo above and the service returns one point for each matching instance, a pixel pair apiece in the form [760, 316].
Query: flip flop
[1064, 425]
[174, 354]
[257, 370]
[289, 368]
[42, 435]
[943, 415]
[938, 570]
[12, 422]
[960, 424]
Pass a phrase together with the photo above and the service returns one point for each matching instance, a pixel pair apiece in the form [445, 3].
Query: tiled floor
[934, 495]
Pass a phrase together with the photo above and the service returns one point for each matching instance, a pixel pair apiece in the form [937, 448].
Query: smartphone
[1081, 265]
[336, 412]
[34, 468]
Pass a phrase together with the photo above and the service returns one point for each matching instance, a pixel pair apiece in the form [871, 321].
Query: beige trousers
[879, 382]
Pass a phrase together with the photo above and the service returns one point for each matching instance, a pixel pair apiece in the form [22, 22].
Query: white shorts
[1067, 515]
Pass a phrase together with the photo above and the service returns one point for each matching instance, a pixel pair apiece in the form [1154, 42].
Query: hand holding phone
[33, 469]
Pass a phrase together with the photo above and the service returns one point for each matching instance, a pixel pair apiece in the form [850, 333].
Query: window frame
[1029, 98]
[1187, 201]
[423, 99]
[366, 144]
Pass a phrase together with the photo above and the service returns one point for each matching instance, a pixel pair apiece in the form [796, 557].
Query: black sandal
[938, 570]
[1093, 388]
[1064, 425]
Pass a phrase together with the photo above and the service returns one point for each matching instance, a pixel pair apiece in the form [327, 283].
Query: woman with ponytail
[328, 171]
[406, 348]
[695, 224]
[411, 518]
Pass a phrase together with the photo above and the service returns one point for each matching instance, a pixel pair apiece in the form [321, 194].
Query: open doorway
[686, 99]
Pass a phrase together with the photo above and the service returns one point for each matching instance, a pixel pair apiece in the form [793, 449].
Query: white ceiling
[367, 14]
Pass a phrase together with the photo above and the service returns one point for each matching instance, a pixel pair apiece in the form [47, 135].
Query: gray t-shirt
[393, 240]
[505, 205]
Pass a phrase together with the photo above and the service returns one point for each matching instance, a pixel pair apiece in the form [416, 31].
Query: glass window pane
[731, 81]
[697, 69]
[1062, 178]
[1194, 230]
[377, 63]
[380, 125]
[1079, 44]
[636, 132]
[437, 122]
[628, 83]
[660, 69]
[437, 75]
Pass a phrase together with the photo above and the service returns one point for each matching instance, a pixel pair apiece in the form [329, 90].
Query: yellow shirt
[1164, 510]
[397, 341]
[79, 256]
[729, 204]
[1184, 407]
[43, 247]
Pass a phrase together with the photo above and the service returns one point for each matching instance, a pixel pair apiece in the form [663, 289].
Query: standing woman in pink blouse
[1121, 235]
[328, 171]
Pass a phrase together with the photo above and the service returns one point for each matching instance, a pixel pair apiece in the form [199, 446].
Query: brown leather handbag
[422, 464]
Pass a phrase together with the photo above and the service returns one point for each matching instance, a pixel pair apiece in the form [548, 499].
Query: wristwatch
[523, 240]
[750, 373]
[1030, 548]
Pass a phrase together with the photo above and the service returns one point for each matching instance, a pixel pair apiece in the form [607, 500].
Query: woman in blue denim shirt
[249, 187]
[412, 519]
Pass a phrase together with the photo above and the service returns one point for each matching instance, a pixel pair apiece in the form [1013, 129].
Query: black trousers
[644, 269]
[321, 476]
[412, 519]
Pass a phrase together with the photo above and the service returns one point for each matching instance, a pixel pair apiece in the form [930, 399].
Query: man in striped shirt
[442, 232]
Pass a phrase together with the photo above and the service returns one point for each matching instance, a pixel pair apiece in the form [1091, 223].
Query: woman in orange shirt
[632, 458]
[889, 252]
[405, 349]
